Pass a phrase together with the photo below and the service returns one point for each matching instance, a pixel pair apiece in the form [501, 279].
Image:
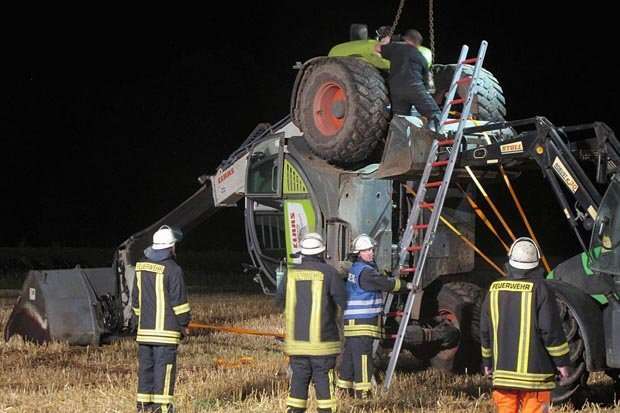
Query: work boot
[144, 407]
[295, 410]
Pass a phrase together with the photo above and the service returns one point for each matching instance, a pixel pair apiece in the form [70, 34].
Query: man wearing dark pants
[159, 301]
[362, 317]
[408, 80]
[309, 293]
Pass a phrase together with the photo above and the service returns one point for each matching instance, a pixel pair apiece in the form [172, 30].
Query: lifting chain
[397, 18]
[431, 27]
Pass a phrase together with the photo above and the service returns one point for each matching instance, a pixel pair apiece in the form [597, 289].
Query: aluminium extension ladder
[418, 236]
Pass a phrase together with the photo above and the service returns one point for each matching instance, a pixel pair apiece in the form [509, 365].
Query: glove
[410, 286]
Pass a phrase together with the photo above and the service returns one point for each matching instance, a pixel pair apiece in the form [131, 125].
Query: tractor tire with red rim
[342, 109]
[460, 304]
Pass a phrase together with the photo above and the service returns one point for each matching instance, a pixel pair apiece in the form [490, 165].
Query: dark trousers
[156, 376]
[356, 365]
[416, 95]
[319, 369]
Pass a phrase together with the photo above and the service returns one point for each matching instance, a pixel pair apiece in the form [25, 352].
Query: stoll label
[32, 294]
[563, 173]
[514, 147]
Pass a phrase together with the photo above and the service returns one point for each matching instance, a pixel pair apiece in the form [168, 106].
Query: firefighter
[362, 317]
[521, 334]
[159, 300]
[309, 293]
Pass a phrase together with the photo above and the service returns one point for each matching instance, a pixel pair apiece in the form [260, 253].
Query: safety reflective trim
[365, 302]
[136, 311]
[299, 403]
[149, 266]
[144, 398]
[164, 333]
[167, 380]
[332, 389]
[327, 404]
[365, 368]
[304, 348]
[396, 285]
[516, 375]
[160, 310]
[289, 308]
[370, 311]
[494, 307]
[344, 384]
[518, 286]
[139, 281]
[364, 386]
[161, 399]
[524, 332]
[158, 340]
[305, 275]
[524, 384]
[486, 352]
[557, 351]
[363, 330]
[315, 311]
[180, 309]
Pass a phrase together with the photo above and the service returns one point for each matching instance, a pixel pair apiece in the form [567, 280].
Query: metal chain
[397, 18]
[431, 27]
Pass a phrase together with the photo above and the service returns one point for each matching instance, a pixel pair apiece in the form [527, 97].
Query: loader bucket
[406, 149]
[62, 305]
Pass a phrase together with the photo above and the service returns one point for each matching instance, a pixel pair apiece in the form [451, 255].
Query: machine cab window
[264, 171]
[605, 244]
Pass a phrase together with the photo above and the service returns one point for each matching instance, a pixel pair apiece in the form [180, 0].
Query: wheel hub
[329, 108]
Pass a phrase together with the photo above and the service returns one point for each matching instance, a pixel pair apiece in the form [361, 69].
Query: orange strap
[235, 330]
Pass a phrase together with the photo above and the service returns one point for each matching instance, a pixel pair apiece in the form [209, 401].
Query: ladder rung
[470, 60]
[419, 226]
[451, 121]
[427, 205]
[439, 163]
[407, 270]
[445, 142]
[414, 248]
[456, 101]
[434, 184]
[394, 314]
[463, 80]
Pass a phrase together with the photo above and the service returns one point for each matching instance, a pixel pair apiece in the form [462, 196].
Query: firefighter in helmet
[521, 334]
[362, 317]
[309, 293]
[159, 301]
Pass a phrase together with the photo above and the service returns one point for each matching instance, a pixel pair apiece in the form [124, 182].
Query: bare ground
[219, 373]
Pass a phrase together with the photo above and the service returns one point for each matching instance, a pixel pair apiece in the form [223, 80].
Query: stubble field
[219, 372]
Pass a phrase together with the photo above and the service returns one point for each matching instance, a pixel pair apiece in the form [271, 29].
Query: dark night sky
[112, 115]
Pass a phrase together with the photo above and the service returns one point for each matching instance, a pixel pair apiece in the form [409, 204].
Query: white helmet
[363, 242]
[312, 243]
[164, 238]
[524, 254]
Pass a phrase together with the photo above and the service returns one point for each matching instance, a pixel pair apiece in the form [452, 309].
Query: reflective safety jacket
[159, 300]
[521, 333]
[365, 299]
[310, 293]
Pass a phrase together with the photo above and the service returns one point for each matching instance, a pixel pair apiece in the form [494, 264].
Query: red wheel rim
[329, 108]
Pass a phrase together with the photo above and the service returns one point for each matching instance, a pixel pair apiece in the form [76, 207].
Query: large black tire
[489, 103]
[460, 304]
[342, 109]
[574, 388]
